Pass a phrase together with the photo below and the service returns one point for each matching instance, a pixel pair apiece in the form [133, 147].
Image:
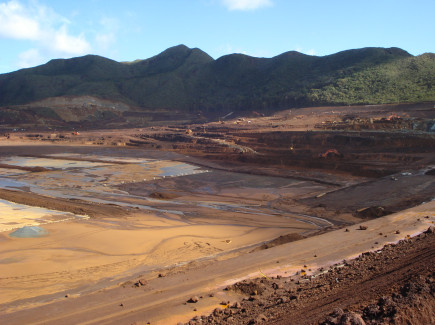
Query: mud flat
[146, 215]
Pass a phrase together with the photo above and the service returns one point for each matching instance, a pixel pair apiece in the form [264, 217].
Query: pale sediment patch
[14, 216]
[82, 253]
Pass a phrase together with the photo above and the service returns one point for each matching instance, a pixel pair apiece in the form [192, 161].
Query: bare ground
[392, 285]
[382, 167]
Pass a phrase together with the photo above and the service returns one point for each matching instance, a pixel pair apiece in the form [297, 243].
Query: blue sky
[34, 31]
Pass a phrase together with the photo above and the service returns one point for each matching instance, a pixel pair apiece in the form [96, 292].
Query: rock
[361, 227]
[397, 232]
[258, 320]
[351, 318]
[372, 311]
[276, 286]
[283, 300]
[329, 320]
[337, 312]
[193, 299]
[430, 230]
[237, 305]
[261, 318]
[217, 312]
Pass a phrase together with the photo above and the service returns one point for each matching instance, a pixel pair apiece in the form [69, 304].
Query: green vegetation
[408, 80]
[190, 80]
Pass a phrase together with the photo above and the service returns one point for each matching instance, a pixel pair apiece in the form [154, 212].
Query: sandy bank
[161, 300]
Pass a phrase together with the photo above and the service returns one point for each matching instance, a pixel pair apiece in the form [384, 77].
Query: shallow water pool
[14, 216]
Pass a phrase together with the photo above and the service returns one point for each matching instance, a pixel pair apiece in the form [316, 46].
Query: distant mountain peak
[173, 58]
[178, 49]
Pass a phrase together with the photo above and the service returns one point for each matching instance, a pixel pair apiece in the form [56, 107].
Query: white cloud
[17, 23]
[45, 29]
[68, 44]
[29, 58]
[246, 4]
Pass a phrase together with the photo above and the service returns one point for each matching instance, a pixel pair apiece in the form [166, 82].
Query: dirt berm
[393, 285]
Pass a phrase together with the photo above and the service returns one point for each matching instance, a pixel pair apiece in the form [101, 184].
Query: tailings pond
[162, 186]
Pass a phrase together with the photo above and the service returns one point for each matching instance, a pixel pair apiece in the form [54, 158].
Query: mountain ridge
[189, 80]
